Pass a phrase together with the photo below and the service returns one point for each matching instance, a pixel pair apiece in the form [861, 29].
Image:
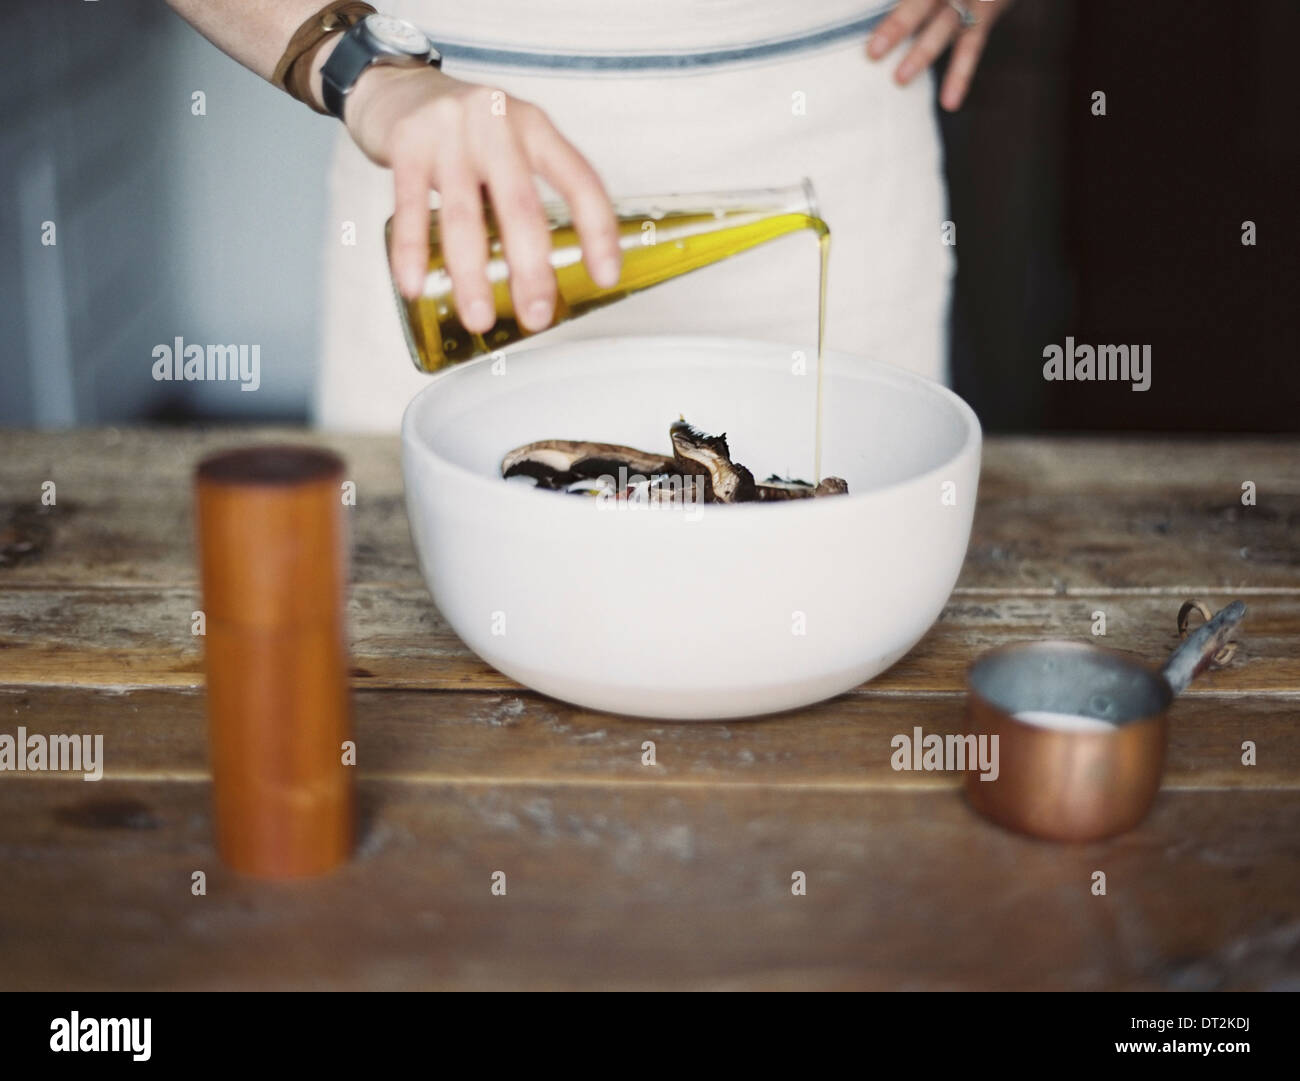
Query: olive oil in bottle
[661, 237]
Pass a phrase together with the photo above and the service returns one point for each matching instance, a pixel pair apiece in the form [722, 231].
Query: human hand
[935, 24]
[459, 139]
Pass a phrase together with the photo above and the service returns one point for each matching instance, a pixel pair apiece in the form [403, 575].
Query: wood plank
[1176, 464]
[124, 511]
[141, 637]
[1079, 514]
[525, 738]
[676, 876]
[1144, 626]
[620, 887]
[1054, 515]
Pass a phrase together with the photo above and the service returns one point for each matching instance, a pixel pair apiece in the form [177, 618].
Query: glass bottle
[661, 237]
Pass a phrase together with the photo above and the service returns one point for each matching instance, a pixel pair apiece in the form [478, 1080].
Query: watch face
[398, 34]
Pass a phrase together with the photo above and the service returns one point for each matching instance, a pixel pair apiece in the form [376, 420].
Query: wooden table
[625, 876]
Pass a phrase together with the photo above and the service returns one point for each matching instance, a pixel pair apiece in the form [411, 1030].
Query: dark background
[1126, 228]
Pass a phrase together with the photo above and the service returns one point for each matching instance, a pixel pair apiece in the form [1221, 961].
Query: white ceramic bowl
[715, 611]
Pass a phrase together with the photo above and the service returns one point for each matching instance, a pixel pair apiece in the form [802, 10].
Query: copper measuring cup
[1089, 763]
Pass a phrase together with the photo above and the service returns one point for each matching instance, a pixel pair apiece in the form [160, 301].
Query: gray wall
[166, 223]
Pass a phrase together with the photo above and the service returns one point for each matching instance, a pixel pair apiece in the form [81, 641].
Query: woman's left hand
[936, 23]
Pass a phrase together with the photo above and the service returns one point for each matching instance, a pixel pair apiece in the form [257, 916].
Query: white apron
[683, 96]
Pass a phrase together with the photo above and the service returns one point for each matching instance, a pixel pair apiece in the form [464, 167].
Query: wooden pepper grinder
[273, 564]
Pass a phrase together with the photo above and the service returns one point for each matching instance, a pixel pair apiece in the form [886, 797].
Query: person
[589, 97]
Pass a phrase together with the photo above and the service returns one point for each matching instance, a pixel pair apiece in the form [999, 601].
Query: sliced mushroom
[558, 463]
[775, 488]
[708, 456]
[625, 473]
[668, 488]
[832, 486]
[778, 488]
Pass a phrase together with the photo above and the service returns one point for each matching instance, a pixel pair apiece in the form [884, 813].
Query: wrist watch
[376, 39]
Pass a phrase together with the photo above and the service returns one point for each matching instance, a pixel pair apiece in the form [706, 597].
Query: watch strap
[293, 73]
[351, 56]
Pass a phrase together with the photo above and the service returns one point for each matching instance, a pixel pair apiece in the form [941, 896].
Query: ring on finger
[969, 20]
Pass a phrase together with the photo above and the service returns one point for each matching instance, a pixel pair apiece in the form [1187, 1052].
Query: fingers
[902, 23]
[409, 250]
[558, 162]
[961, 68]
[928, 46]
[463, 233]
[525, 235]
[935, 25]
[459, 139]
